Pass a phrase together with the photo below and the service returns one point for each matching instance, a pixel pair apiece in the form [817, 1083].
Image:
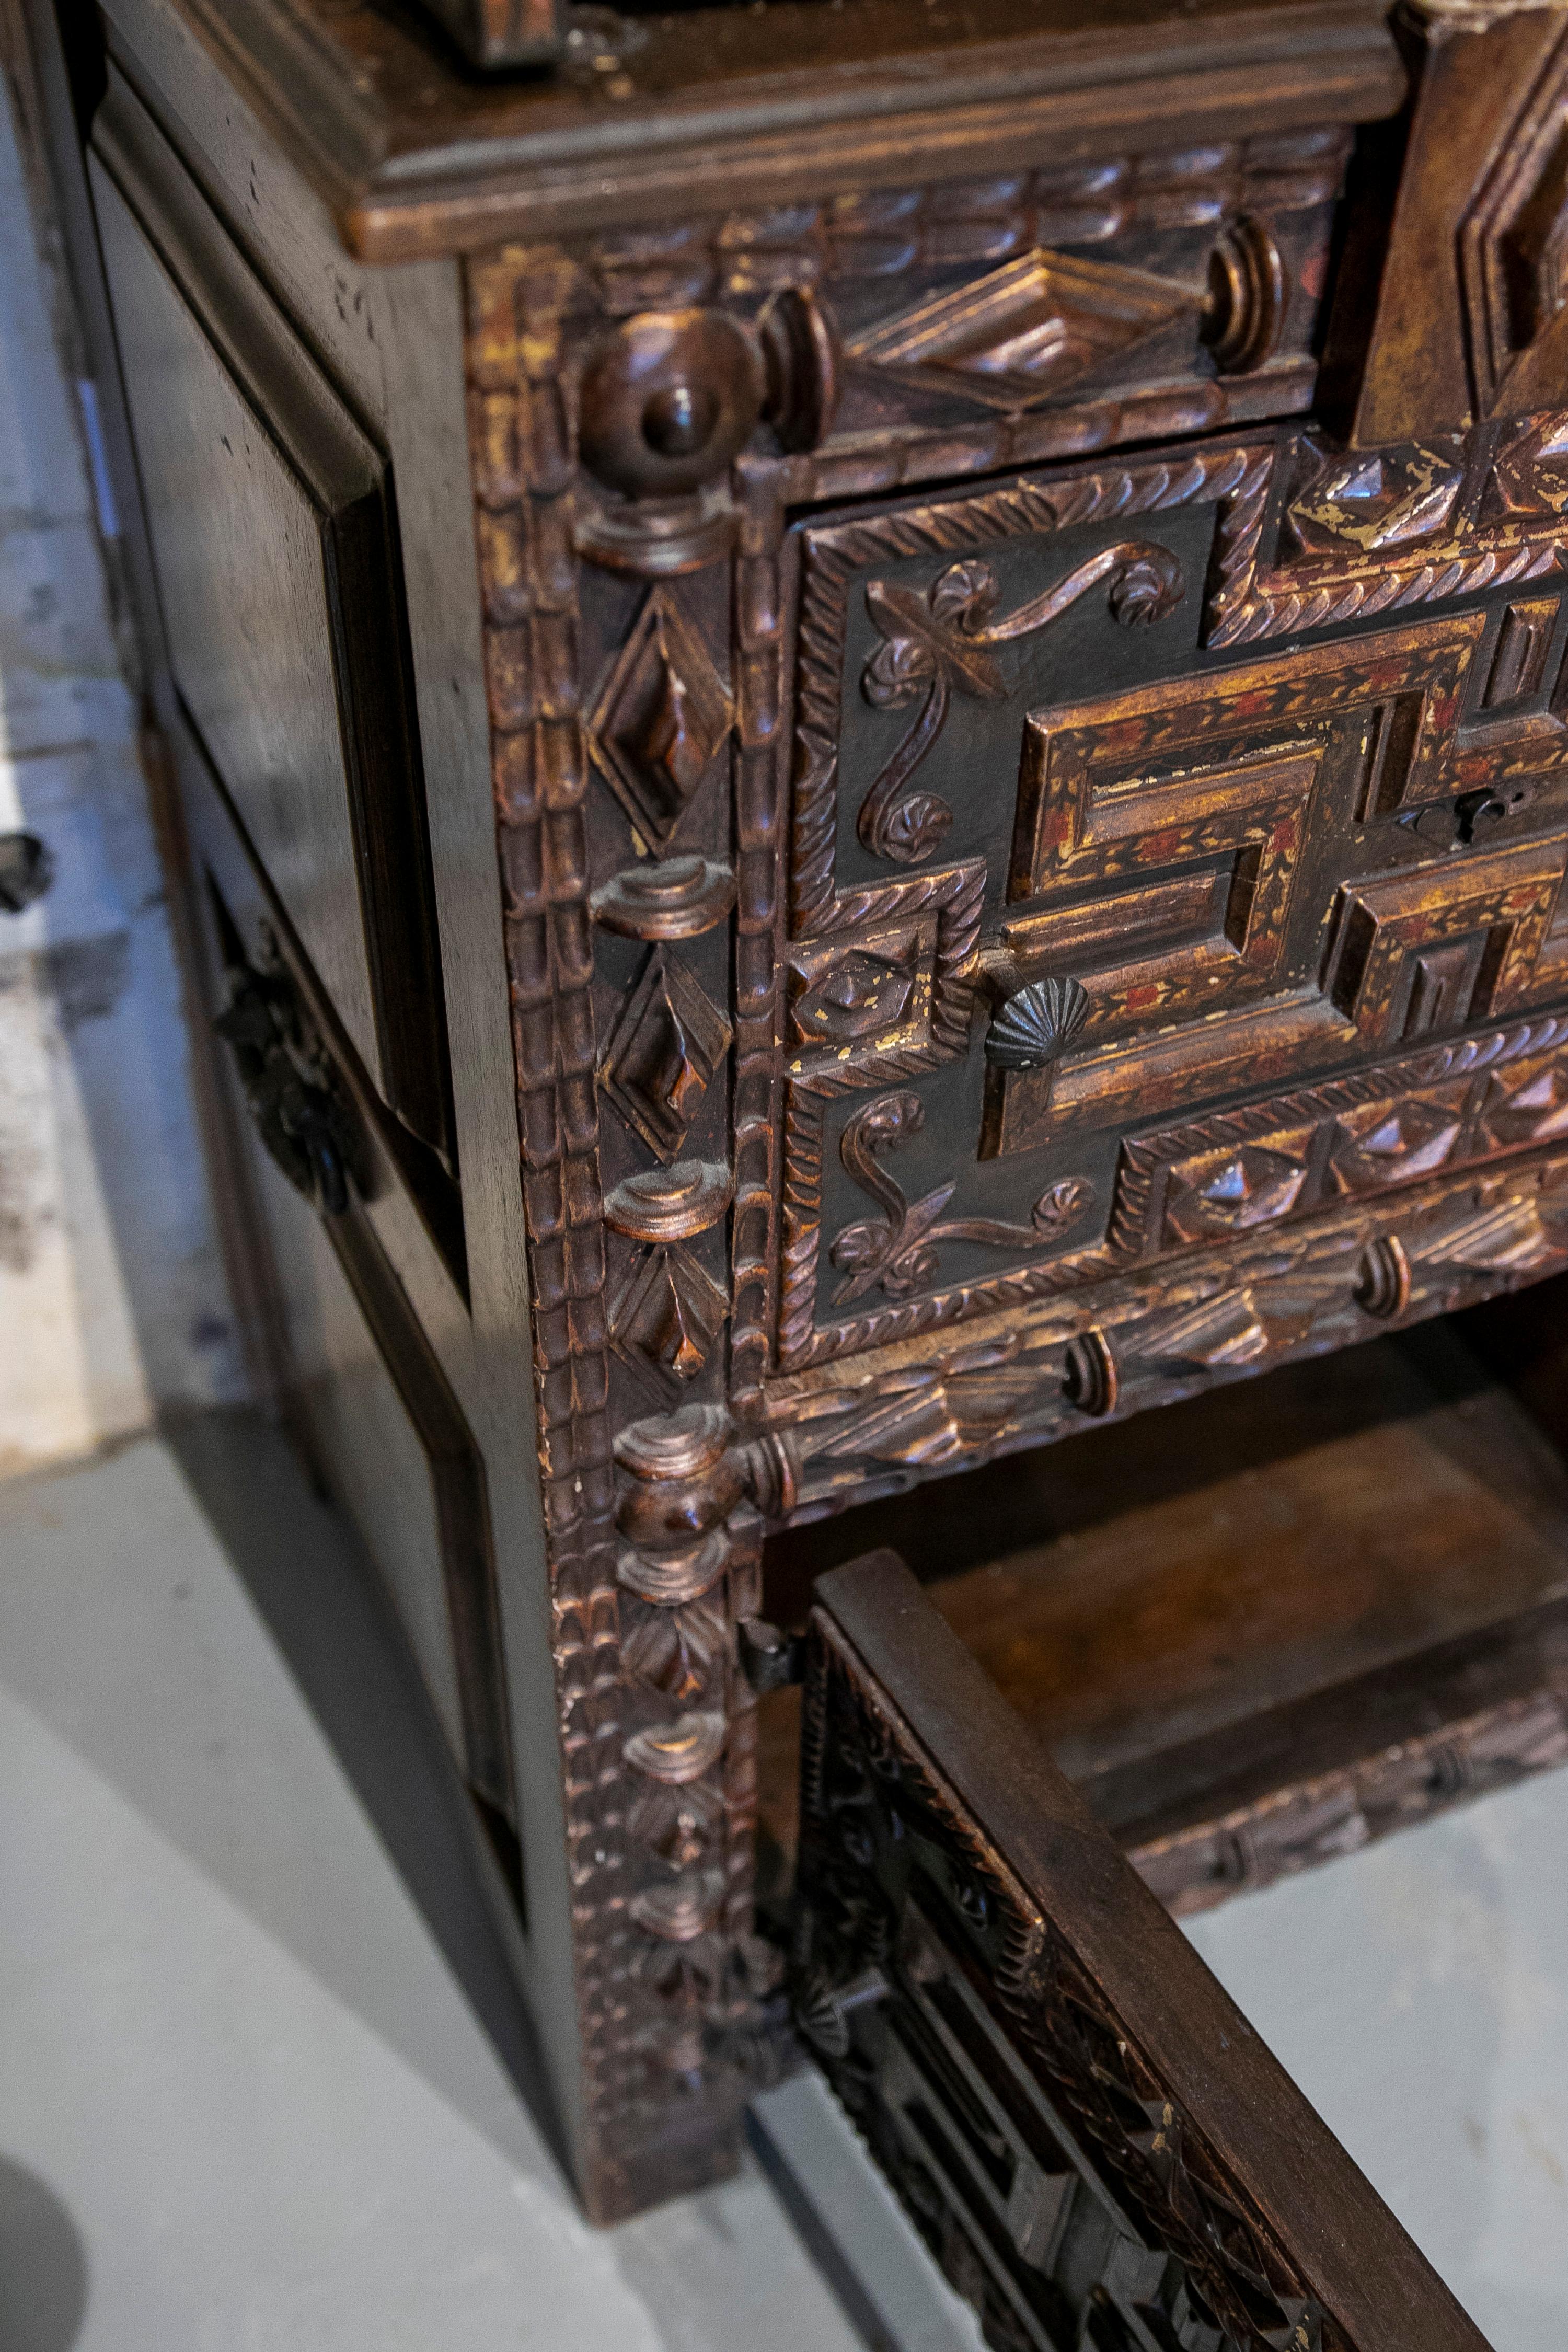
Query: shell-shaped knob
[1035, 1027]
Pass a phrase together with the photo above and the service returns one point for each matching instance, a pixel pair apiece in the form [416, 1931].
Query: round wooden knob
[667, 400]
[800, 356]
[1248, 297]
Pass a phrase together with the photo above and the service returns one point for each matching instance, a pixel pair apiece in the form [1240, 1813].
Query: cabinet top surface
[707, 107]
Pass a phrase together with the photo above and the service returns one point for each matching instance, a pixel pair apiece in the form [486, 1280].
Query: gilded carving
[661, 1056]
[946, 641]
[655, 731]
[898, 1252]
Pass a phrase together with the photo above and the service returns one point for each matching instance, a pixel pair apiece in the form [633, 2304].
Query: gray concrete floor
[244, 2107]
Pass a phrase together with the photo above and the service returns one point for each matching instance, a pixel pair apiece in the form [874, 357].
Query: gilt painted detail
[898, 1252]
[946, 641]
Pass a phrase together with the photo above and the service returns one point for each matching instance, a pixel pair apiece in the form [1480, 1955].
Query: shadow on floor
[329, 1614]
[43, 2265]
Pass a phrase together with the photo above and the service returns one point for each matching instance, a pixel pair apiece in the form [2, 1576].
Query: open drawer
[1086, 2129]
[1262, 1627]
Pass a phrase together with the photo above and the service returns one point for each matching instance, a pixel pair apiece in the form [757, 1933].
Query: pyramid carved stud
[662, 1054]
[856, 997]
[1393, 1142]
[660, 721]
[1026, 332]
[1531, 1107]
[1250, 1188]
[669, 1314]
[1385, 499]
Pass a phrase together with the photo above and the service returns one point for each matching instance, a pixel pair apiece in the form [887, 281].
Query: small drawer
[1145, 893]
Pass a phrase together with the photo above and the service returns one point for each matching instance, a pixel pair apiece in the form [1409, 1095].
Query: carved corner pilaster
[690, 1573]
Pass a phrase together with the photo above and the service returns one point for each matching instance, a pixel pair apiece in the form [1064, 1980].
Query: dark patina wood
[1093, 2139]
[987, 862]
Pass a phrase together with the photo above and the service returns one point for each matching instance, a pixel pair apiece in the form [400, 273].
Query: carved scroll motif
[898, 1251]
[945, 643]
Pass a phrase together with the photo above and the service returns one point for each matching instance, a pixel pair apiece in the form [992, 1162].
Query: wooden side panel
[358, 1371]
[274, 535]
[1084, 2126]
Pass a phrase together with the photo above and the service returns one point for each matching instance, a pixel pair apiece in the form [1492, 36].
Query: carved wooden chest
[872, 718]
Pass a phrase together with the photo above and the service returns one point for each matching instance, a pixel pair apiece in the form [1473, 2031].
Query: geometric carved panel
[1022, 332]
[1514, 251]
[661, 718]
[660, 1058]
[1210, 817]
[1433, 948]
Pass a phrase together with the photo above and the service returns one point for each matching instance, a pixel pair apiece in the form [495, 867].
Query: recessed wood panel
[274, 535]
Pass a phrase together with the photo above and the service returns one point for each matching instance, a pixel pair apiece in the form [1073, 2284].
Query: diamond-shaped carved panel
[1230, 1193]
[1389, 1142]
[1023, 333]
[661, 1055]
[670, 1314]
[1529, 1106]
[660, 721]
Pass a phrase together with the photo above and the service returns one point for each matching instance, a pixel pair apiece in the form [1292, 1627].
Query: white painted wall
[113, 1301]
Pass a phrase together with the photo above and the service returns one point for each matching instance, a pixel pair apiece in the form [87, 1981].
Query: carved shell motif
[1036, 1028]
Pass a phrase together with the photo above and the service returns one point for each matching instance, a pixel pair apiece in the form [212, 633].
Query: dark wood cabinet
[870, 711]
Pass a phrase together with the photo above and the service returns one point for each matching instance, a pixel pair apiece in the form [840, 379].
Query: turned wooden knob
[1248, 297]
[667, 400]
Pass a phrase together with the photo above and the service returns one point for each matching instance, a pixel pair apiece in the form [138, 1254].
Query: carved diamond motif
[1528, 1108]
[1021, 333]
[662, 1053]
[856, 996]
[659, 723]
[1394, 1141]
[1232, 1194]
[1387, 499]
[669, 1313]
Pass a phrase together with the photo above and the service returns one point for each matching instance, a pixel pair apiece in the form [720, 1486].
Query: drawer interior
[1261, 1626]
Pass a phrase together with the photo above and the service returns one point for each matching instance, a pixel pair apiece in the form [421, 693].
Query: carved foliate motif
[898, 1250]
[948, 642]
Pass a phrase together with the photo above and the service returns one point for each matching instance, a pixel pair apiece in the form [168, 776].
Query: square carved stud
[660, 1058]
[669, 1314]
[1390, 1142]
[660, 721]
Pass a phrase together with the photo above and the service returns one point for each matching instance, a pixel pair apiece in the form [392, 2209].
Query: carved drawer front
[1175, 856]
[1090, 2137]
